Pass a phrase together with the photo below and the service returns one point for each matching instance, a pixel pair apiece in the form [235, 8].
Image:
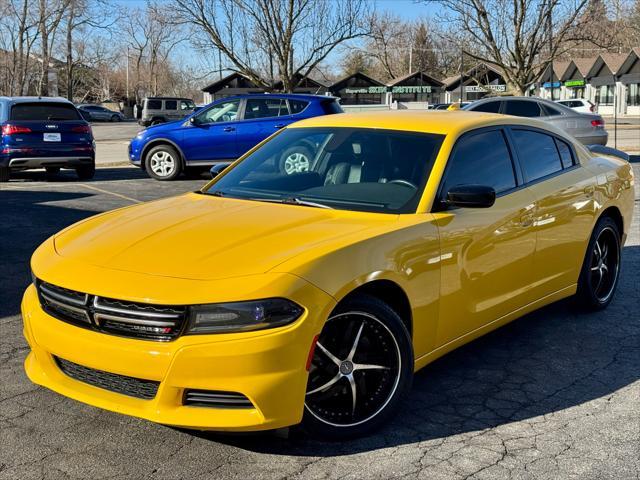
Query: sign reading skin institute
[485, 88]
[397, 89]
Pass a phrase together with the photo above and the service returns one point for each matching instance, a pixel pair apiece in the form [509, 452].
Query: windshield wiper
[292, 201]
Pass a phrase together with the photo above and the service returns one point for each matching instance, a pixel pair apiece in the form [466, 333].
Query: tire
[296, 159]
[4, 174]
[362, 333]
[52, 171]
[601, 267]
[163, 163]
[115, 118]
[86, 172]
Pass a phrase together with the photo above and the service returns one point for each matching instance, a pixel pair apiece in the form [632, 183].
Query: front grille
[215, 399]
[107, 315]
[133, 387]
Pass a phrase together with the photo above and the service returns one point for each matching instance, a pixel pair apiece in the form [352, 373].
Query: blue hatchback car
[224, 130]
[44, 132]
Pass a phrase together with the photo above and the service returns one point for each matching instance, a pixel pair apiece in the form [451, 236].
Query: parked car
[99, 113]
[313, 296]
[157, 110]
[438, 106]
[587, 128]
[224, 130]
[579, 105]
[44, 132]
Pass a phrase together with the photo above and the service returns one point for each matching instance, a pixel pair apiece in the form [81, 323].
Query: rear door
[45, 129]
[262, 117]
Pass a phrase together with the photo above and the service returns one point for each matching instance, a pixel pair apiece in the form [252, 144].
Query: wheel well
[614, 213]
[155, 143]
[390, 293]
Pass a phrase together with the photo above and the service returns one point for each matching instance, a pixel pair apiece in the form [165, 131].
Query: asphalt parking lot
[553, 395]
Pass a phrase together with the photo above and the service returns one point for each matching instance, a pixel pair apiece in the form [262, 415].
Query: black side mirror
[471, 196]
[218, 168]
[194, 121]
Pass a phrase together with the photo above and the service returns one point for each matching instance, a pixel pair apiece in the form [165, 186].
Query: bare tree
[520, 37]
[297, 34]
[388, 45]
[50, 13]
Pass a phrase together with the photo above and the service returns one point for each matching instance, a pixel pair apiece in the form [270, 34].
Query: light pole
[127, 75]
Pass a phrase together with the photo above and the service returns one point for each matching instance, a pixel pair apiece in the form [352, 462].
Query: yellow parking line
[107, 192]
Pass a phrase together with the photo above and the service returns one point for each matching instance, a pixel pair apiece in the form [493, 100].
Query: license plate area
[51, 137]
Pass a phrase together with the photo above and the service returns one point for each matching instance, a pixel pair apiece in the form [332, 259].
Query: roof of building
[406, 77]
[449, 81]
[356, 74]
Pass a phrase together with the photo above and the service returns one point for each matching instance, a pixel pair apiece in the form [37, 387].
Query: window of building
[481, 159]
[537, 153]
[633, 94]
[604, 95]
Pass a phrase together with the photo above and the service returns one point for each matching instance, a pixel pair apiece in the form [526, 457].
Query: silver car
[587, 128]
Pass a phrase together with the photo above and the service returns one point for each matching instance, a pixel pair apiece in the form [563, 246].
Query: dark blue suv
[44, 132]
[224, 130]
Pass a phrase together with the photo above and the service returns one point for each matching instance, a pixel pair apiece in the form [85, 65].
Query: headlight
[242, 316]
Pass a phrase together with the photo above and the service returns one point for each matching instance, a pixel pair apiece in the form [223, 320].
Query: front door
[212, 135]
[487, 254]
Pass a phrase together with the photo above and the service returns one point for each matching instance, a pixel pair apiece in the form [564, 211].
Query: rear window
[171, 104]
[522, 108]
[154, 104]
[331, 106]
[538, 154]
[44, 111]
[489, 107]
[296, 106]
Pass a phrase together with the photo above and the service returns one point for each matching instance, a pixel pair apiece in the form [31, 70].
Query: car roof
[290, 96]
[422, 121]
[35, 100]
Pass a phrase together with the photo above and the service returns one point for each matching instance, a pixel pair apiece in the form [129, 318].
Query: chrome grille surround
[107, 315]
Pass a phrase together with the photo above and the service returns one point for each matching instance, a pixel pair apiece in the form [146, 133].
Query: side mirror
[218, 168]
[194, 121]
[471, 196]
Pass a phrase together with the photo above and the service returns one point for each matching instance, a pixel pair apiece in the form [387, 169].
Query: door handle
[279, 125]
[229, 129]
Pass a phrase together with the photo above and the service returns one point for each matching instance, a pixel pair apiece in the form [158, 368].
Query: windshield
[343, 168]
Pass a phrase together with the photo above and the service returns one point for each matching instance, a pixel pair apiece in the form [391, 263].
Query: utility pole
[410, 59]
[127, 75]
[550, 35]
[461, 73]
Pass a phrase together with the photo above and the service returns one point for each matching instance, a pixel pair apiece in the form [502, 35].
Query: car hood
[164, 127]
[197, 236]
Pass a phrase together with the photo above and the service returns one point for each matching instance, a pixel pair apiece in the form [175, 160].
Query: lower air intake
[215, 399]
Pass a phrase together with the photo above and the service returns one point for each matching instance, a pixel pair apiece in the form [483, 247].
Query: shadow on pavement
[547, 361]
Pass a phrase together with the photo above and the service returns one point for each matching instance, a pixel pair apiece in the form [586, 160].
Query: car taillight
[597, 123]
[13, 129]
[82, 129]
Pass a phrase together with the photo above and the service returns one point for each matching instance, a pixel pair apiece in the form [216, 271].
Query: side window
[296, 106]
[170, 104]
[265, 108]
[489, 107]
[537, 153]
[221, 112]
[186, 105]
[565, 154]
[551, 111]
[522, 108]
[481, 159]
[154, 104]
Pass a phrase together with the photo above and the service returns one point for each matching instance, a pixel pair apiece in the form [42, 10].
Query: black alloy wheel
[361, 369]
[601, 268]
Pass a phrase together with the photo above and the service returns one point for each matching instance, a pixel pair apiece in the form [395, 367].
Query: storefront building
[629, 80]
[573, 79]
[550, 83]
[417, 87]
[477, 83]
[359, 89]
[605, 89]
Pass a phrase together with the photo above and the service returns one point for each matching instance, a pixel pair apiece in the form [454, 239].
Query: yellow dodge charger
[282, 294]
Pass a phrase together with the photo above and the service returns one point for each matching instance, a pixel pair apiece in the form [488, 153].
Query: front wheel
[163, 163]
[601, 267]
[361, 370]
[4, 174]
[115, 118]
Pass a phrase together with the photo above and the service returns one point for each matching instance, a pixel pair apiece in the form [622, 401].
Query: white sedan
[579, 105]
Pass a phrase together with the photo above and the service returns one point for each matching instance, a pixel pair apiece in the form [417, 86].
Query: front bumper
[268, 367]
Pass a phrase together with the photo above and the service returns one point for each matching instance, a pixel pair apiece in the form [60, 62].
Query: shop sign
[574, 83]
[396, 89]
[419, 89]
[551, 85]
[485, 88]
[365, 90]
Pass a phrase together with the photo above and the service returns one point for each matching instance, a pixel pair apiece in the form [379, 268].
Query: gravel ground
[553, 395]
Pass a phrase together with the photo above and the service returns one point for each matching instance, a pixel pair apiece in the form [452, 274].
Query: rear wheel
[115, 118]
[86, 172]
[601, 267]
[52, 171]
[163, 162]
[4, 174]
[296, 159]
[361, 370]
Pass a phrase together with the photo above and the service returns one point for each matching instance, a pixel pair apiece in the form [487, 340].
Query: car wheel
[361, 370]
[601, 267]
[4, 174]
[163, 163]
[296, 159]
[52, 171]
[86, 172]
[115, 118]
